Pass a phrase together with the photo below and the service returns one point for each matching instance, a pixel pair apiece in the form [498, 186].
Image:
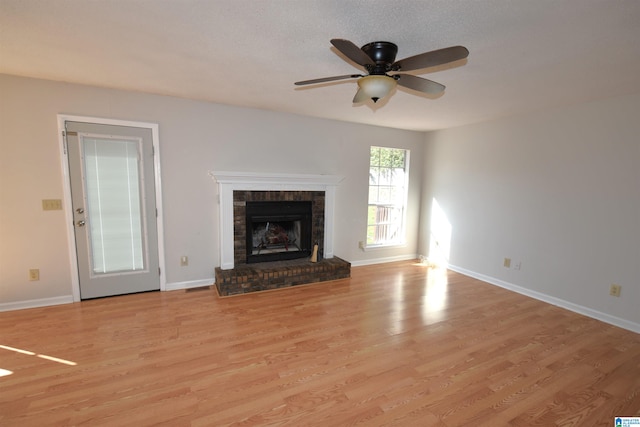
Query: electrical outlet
[184, 261]
[517, 265]
[614, 290]
[361, 244]
[507, 262]
[34, 274]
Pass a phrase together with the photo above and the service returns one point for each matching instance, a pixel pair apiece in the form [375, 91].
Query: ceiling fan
[378, 59]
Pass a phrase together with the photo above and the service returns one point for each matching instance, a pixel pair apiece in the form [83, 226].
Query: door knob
[80, 223]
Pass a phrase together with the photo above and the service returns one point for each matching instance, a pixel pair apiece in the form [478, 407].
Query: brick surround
[240, 198]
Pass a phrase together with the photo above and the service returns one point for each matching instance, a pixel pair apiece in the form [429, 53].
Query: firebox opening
[279, 230]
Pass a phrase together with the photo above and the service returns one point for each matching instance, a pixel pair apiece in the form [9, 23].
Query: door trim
[71, 242]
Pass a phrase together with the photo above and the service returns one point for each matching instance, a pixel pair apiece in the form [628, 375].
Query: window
[388, 182]
[114, 202]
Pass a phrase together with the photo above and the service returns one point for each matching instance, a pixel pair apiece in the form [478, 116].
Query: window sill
[368, 248]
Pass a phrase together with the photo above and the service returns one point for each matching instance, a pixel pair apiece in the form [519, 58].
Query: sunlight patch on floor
[57, 359]
[434, 301]
[42, 356]
[17, 350]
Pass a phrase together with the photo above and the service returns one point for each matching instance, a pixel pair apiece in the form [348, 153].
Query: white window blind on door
[113, 189]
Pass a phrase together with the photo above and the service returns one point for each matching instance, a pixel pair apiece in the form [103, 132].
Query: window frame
[401, 203]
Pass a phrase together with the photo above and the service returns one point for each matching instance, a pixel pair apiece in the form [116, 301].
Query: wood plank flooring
[398, 344]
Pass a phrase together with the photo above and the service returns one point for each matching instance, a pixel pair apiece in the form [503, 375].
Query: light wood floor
[396, 345]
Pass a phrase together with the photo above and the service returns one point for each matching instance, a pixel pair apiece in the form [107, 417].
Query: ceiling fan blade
[419, 84]
[431, 59]
[352, 52]
[327, 79]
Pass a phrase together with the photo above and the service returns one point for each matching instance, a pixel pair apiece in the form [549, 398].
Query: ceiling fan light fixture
[377, 86]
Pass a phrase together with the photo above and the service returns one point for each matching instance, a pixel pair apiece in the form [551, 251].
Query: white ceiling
[525, 55]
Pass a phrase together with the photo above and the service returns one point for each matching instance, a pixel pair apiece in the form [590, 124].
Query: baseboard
[44, 302]
[594, 314]
[383, 260]
[189, 284]
[33, 303]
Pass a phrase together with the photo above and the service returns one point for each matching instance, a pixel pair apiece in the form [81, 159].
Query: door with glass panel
[114, 208]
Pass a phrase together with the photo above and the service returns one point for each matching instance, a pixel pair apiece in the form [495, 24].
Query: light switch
[52, 205]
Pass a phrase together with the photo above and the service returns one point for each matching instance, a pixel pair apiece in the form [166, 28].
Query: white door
[114, 208]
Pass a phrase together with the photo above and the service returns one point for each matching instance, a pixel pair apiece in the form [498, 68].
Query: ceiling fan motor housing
[383, 54]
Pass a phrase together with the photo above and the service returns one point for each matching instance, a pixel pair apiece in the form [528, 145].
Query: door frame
[71, 241]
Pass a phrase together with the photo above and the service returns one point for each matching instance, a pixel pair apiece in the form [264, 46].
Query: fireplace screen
[273, 237]
[278, 230]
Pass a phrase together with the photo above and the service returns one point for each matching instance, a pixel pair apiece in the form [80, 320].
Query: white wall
[558, 191]
[195, 137]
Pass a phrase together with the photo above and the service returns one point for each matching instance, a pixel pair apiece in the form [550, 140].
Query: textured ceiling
[524, 55]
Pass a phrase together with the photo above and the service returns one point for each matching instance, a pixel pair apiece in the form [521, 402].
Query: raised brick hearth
[234, 275]
[280, 274]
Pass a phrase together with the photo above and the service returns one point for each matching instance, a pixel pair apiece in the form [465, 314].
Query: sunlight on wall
[439, 236]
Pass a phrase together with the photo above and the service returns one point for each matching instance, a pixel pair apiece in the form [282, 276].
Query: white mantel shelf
[250, 178]
[228, 182]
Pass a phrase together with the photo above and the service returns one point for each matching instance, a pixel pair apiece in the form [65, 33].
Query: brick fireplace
[235, 275]
[241, 199]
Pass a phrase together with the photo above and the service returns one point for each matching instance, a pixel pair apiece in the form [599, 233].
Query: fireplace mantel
[228, 182]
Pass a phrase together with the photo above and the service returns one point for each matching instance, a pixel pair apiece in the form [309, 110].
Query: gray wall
[558, 191]
[195, 138]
